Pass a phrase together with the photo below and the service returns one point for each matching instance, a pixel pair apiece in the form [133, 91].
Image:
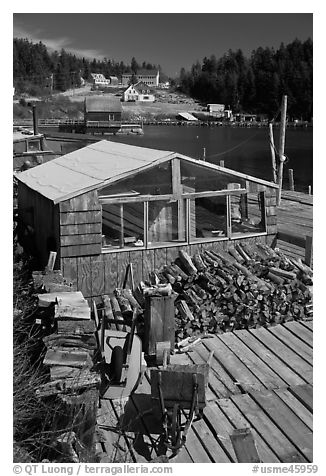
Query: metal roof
[88, 168]
[102, 104]
[187, 116]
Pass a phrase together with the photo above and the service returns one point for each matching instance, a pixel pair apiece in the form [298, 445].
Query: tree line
[34, 67]
[256, 84]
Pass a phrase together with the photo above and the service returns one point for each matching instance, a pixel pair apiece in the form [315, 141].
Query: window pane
[196, 178]
[157, 181]
[131, 233]
[34, 144]
[247, 213]
[165, 222]
[208, 217]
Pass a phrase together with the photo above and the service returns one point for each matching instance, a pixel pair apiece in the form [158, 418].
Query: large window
[247, 212]
[178, 202]
[122, 225]
[166, 222]
[208, 217]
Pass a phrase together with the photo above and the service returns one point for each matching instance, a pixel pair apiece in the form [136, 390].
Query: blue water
[243, 149]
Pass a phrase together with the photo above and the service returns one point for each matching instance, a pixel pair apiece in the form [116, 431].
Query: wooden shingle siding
[79, 218]
[85, 202]
[81, 226]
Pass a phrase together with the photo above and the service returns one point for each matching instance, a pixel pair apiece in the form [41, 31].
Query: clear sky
[173, 40]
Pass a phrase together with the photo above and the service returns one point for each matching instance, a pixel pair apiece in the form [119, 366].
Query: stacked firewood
[245, 287]
[70, 349]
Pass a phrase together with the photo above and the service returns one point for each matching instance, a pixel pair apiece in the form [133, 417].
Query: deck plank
[274, 437]
[304, 393]
[257, 366]
[241, 374]
[240, 420]
[290, 358]
[300, 410]
[295, 430]
[297, 345]
[209, 442]
[285, 372]
[307, 324]
[216, 387]
[219, 371]
[300, 331]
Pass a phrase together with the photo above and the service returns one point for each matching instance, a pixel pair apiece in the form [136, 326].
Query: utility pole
[281, 148]
[272, 147]
[204, 153]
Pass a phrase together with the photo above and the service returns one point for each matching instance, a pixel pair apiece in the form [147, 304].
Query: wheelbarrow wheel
[117, 363]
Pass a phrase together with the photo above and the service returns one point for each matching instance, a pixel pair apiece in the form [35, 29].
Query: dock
[259, 379]
[295, 224]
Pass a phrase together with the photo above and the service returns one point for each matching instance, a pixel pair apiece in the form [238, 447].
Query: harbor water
[245, 149]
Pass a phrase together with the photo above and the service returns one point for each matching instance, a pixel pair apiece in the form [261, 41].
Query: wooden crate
[178, 385]
[159, 322]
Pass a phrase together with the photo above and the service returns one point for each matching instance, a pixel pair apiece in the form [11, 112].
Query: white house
[138, 92]
[99, 80]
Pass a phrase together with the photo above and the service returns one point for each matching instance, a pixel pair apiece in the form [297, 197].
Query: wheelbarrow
[181, 393]
[121, 358]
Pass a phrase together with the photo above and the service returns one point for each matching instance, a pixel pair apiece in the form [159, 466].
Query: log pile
[71, 343]
[245, 287]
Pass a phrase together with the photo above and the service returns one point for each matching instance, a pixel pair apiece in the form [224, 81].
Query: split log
[71, 358]
[242, 253]
[187, 263]
[107, 307]
[81, 312]
[236, 254]
[283, 273]
[117, 312]
[178, 271]
[198, 262]
[76, 327]
[275, 278]
[86, 379]
[184, 310]
[124, 303]
[127, 293]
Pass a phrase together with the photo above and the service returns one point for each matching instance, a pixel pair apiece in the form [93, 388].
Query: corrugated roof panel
[54, 181]
[87, 168]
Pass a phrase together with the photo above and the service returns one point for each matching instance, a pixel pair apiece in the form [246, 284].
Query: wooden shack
[110, 204]
[102, 113]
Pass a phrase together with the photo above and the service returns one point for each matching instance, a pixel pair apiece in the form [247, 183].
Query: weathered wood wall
[42, 216]
[101, 274]
[80, 226]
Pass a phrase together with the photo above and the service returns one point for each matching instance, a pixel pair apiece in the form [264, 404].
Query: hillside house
[99, 80]
[216, 110]
[109, 204]
[114, 81]
[139, 92]
[102, 112]
[148, 76]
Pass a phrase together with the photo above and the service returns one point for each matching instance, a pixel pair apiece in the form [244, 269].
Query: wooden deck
[259, 379]
[295, 219]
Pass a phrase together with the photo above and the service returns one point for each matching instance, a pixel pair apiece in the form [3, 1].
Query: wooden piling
[281, 147]
[291, 180]
[272, 147]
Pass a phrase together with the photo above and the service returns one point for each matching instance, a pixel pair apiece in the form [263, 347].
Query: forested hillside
[256, 84]
[37, 69]
[251, 85]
